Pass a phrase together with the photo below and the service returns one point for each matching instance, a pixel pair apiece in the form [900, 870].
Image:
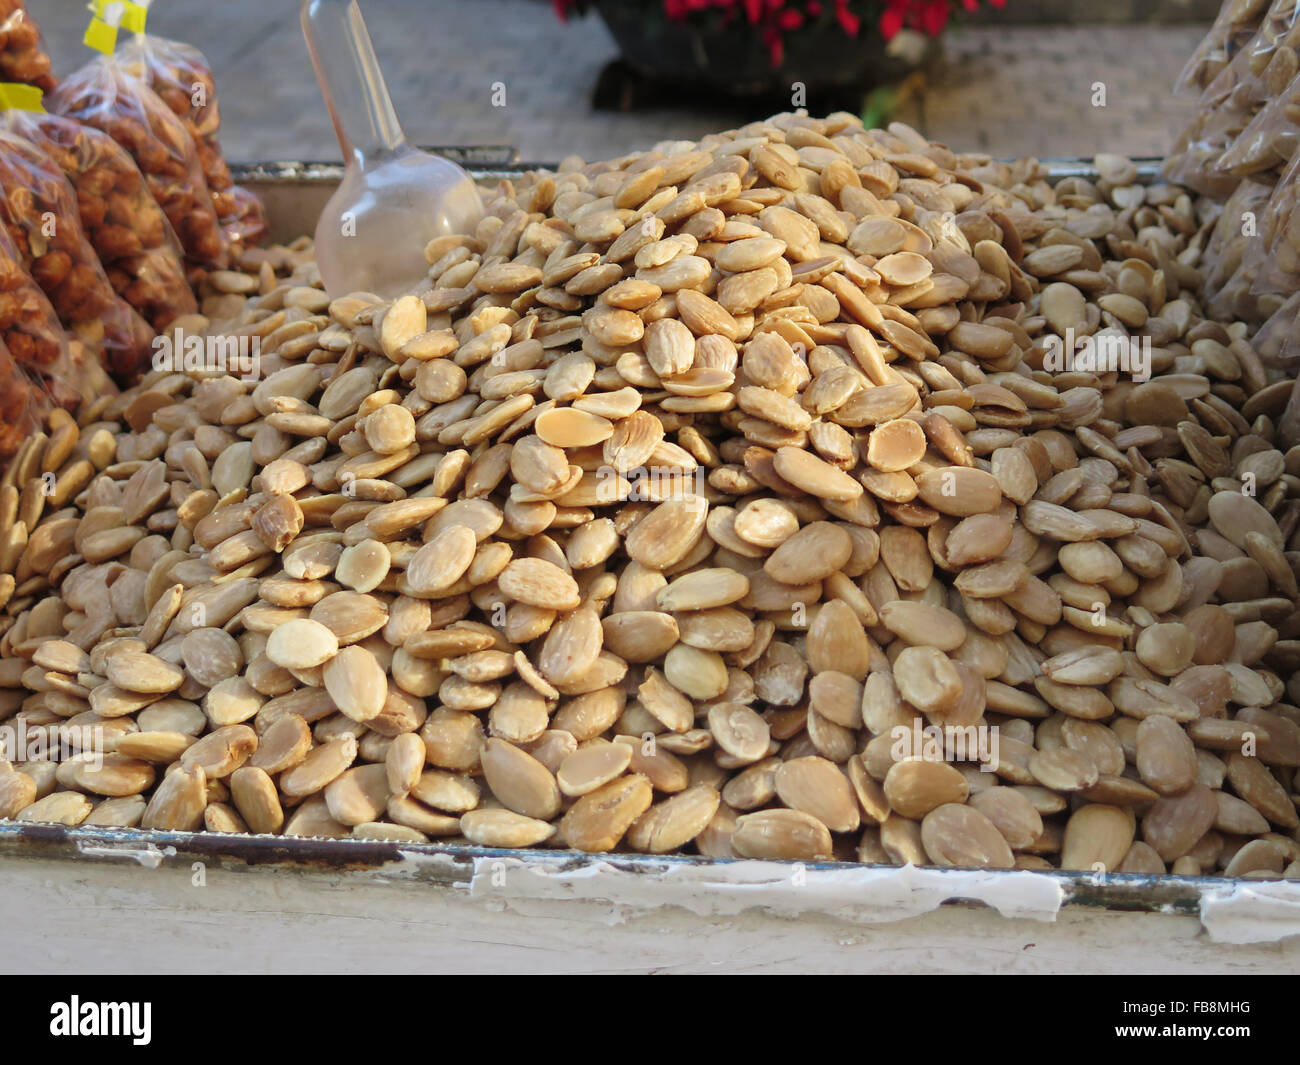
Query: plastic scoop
[393, 198]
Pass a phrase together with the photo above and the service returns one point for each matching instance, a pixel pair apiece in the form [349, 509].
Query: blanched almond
[915, 787]
[961, 836]
[784, 834]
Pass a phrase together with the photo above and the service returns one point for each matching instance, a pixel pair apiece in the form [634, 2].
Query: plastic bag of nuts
[1267, 64]
[182, 77]
[39, 209]
[1196, 156]
[1227, 264]
[1235, 27]
[30, 331]
[24, 403]
[1258, 74]
[1269, 141]
[22, 56]
[103, 95]
[128, 230]
[1275, 342]
[1273, 258]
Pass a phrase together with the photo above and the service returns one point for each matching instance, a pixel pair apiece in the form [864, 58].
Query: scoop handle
[350, 79]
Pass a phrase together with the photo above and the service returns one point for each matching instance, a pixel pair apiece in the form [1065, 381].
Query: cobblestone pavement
[1008, 90]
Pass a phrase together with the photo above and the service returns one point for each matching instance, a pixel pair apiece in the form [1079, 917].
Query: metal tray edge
[495, 163]
[1125, 892]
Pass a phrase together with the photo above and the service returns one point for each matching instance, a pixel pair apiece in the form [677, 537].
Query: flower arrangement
[775, 19]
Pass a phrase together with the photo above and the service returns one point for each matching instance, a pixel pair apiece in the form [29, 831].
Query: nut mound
[736, 468]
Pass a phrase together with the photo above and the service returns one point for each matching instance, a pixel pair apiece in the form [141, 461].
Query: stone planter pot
[733, 59]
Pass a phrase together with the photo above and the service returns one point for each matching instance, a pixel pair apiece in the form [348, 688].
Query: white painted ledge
[99, 903]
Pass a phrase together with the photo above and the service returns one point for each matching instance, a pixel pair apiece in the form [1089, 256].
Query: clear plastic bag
[1226, 280]
[1288, 426]
[1275, 342]
[104, 95]
[1269, 142]
[1272, 262]
[1194, 160]
[22, 54]
[24, 403]
[39, 210]
[128, 230]
[182, 78]
[1267, 65]
[1257, 74]
[1236, 25]
[30, 330]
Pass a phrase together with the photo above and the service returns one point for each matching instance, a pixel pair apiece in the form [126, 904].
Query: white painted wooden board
[96, 916]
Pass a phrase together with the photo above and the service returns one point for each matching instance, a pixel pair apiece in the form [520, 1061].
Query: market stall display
[679, 490]
[807, 492]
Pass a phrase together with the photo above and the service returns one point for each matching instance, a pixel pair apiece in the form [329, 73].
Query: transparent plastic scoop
[393, 198]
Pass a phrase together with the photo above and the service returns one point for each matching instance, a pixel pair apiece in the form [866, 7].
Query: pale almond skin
[788, 834]
[1097, 837]
[914, 788]
[962, 836]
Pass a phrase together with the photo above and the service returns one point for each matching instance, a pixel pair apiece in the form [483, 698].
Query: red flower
[774, 18]
[850, 22]
[891, 22]
[934, 17]
[775, 46]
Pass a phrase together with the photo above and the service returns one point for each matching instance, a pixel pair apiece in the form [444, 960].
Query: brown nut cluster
[23, 404]
[1233, 30]
[1261, 72]
[22, 56]
[39, 211]
[1268, 143]
[183, 80]
[30, 329]
[123, 222]
[1239, 150]
[102, 95]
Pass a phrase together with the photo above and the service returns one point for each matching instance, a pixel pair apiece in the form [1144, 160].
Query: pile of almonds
[687, 482]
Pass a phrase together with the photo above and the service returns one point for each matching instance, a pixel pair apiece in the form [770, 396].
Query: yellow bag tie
[15, 96]
[109, 17]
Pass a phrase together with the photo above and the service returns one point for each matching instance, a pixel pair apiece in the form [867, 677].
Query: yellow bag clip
[15, 96]
[109, 17]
